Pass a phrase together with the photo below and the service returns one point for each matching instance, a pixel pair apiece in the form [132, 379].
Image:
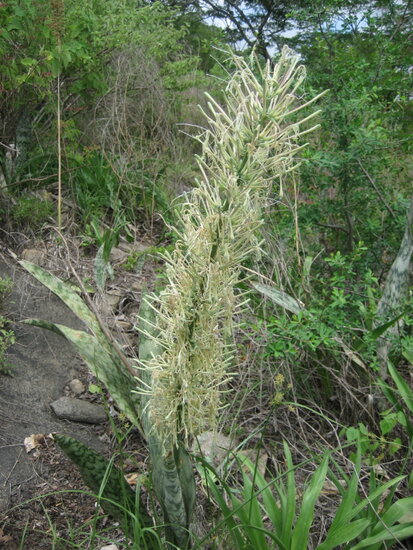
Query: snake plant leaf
[279, 297]
[108, 483]
[66, 294]
[103, 365]
[172, 474]
[102, 268]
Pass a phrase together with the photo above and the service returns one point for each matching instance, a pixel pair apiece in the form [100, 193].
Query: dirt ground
[36, 487]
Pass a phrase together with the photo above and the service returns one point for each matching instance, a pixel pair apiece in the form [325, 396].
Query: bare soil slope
[42, 365]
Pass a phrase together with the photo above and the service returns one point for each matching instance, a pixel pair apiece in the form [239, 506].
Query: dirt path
[43, 364]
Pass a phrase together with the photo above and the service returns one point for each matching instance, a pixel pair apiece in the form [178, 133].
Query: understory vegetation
[266, 152]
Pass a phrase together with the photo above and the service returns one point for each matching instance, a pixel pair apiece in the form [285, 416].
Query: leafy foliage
[358, 522]
[361, 53]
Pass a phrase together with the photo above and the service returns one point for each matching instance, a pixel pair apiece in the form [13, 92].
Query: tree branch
[373, 184]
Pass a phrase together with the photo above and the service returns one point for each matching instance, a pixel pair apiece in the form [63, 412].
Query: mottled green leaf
[102, 268]
[108, 484]
[66, 294]
[279, 297]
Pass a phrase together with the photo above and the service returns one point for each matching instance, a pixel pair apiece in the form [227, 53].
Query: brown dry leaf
[329, 488]
[3, 537]
[33, 441]
[134, 478]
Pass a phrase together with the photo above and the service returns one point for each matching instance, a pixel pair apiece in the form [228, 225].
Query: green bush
[335, 322]
[31, 210]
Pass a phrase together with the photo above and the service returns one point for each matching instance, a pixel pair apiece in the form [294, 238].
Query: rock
[33, 255]
[109, 547]
[124, 250]
[77, 410]
[214, 446]
[76, 386]
[118, 255]
[112, 297]
[108, 302]
[261, 463]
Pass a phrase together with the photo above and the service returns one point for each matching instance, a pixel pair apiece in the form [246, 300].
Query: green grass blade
[344, 533]
[397, 532]
[250, 513]
[378, 331]
[269, 504]
[394, 514]
[405, 392]
[251, 522]
[349, 496]
[373, 496]
[311, 494]
[289, 504]
[347, 503]
[227, 512]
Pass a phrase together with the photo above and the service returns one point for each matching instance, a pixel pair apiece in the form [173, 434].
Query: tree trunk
[395, 294]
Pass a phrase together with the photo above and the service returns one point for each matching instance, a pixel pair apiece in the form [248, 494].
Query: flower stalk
[247, 147]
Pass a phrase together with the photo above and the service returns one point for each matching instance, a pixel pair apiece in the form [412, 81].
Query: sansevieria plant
[173, 391]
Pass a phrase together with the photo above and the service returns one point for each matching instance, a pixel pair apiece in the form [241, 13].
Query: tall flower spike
[246, 147]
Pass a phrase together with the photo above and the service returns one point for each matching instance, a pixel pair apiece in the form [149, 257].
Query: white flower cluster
[248, 145]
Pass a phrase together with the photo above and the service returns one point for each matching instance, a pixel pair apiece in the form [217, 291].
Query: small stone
[117, 255]
[109, 547]
[112, 297]
[77, 410]
[260, 461]
[214, 446]
[107, 303]
[33, 255]
[76, 386]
